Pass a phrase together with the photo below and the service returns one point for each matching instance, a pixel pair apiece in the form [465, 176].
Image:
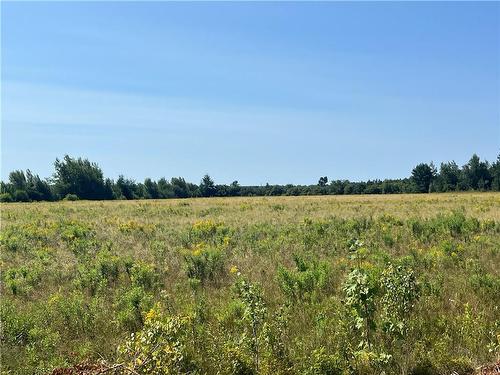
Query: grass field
[401, 284]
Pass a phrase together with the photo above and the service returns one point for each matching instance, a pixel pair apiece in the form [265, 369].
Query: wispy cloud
[48, 105]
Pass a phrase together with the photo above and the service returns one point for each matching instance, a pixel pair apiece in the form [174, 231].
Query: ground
[78, 278]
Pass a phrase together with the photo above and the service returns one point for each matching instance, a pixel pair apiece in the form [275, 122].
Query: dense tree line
[77, 178]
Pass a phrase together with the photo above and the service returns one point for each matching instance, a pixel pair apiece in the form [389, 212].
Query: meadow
[369, 284]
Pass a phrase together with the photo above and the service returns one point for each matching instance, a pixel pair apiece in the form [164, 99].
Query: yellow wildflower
[151, 314]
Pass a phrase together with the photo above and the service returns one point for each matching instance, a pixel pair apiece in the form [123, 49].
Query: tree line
[79, 178]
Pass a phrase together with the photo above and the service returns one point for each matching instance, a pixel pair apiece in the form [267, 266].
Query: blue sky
[258, 92]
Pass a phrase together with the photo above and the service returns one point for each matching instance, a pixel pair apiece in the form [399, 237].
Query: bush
[144, 275]
[23, 279]
[161, 347]
[71, 197]
[16, 325]
[204, 263]
[323, 364]
[132, 304]
[21, 196]
[208, 231]
[5, 198]
[97, 273]
[304, 283]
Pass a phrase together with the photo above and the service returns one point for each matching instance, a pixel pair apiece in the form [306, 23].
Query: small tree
[401, 292]
[360, 297]
[254, 313]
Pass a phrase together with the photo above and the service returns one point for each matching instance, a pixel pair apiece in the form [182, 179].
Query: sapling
[254, 313]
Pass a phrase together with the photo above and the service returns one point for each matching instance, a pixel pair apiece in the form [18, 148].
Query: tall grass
[405, 284]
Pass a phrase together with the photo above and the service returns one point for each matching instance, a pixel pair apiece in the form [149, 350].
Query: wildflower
[233, 270]
[151, 314]
[198, 249]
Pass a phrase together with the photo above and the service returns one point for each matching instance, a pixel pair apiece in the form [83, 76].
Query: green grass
[246, 285]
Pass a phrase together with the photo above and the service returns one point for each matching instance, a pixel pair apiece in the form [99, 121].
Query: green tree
[449, 176]
[80, 177]
[126, 187]
[180, 187]
[165, 188]
[21, 196]
[476, 174]
[234, 189]
[323, 181]
[422, 176]
[33, 185]
[37, 189]
[207, 186]
[360, 298]
[495, 174]
[17, 179]
[151, 187]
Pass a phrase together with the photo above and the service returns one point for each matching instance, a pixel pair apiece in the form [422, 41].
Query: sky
[255, 92]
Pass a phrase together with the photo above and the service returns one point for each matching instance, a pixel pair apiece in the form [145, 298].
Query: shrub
[108, 265]
[71, 197]
[21, 196]
[13, 239]
[254, 314]
[79, 237]
[401, 292]
[304, 283]
[208, 231]
[359, 290]
[131, 306]
[323, 364]
[16, 325]
[204, 263]
[23, 279]
[5, 198]
[143, 275]
[161, 347]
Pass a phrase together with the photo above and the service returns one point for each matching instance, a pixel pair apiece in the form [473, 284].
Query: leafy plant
[254, 313]
[304, 283]
[359, 291]
[160, 348]
[204, 263]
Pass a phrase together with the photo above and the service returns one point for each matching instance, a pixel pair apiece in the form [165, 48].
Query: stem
[256, 344]
[367, 327]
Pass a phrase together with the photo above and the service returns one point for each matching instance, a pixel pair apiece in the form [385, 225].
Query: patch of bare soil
[87, 368]
[493, 369]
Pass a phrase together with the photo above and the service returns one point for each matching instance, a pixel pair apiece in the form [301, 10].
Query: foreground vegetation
[400, 284]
